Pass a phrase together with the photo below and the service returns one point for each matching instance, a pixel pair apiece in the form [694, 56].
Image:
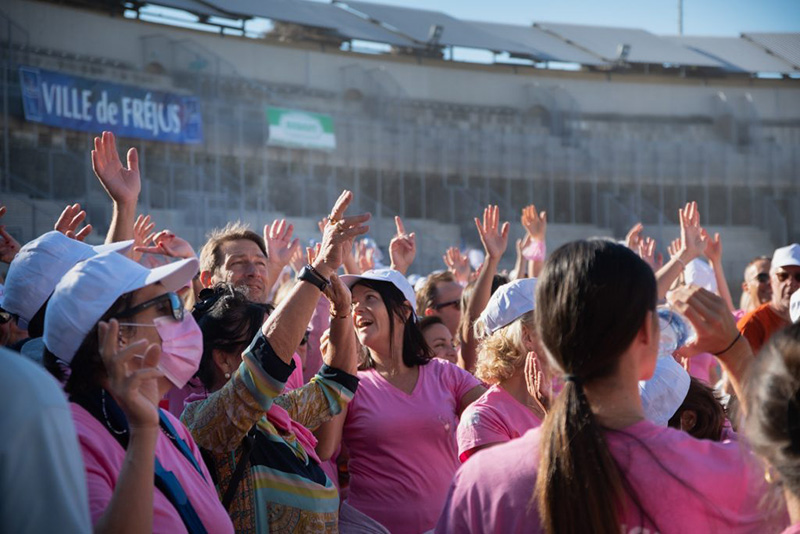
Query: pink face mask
[181, 348]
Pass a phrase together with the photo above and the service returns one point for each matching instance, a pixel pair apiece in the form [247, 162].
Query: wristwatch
[311, 275]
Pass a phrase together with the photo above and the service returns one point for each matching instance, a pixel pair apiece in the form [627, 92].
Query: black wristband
[726, 349]
[310, 275]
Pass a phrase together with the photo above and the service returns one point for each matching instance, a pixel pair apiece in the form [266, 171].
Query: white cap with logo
[385, 275]
[510, 302]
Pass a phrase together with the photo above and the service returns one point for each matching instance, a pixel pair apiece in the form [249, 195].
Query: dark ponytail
[591, 300]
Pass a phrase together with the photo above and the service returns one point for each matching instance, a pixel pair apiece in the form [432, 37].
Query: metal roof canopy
[544, 47]
[314, 14]
[417, 23]
[736, 54]
[644, 46]
[196, 8]
[785, 45]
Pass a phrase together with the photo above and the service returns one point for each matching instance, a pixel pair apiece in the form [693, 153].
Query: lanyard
[166, 425]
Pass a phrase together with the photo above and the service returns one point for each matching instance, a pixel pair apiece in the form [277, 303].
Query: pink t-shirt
[103, 457]
[794, 529]
[495, 417]
[296, 378]
[403, 447]
[683, 484]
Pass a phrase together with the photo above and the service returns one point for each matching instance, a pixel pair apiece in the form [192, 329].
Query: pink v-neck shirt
[683, 484]
[496, 417]
[403, 447]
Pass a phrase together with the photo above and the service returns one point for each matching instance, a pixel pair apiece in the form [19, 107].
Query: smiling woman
[400, 428]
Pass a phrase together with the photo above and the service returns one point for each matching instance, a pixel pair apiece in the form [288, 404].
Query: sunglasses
[762, 278]
[305, 338]
[783, 276]
[175, 303]
[455, 303]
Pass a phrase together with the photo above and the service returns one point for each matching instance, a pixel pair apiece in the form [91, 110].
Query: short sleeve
[459, 381]
[479, 426]
[752, 329]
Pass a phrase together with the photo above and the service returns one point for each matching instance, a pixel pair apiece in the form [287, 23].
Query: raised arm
[280, 248]
[714, 255]
[495, 240]
[716, 333]
[287, 324]
[122, 184]
[535, 224]
[692, 246]
[402, 248]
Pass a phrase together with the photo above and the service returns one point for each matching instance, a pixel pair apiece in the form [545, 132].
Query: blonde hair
[503, 352]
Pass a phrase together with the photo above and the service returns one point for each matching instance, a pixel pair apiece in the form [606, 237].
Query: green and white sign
[300, 129]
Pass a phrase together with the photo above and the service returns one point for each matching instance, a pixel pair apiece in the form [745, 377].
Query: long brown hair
[591, 299]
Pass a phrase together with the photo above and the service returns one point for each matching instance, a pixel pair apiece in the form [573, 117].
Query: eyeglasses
[783, 276]
[455, 303]
[175, 302]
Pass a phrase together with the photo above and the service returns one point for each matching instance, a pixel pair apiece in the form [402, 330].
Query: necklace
[105, 415]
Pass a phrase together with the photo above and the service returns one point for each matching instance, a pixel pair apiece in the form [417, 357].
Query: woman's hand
[402, 247]
[535, 223]
[536, 382]
[69, 220]
[493, 237]
[692, 242]
[338, 231]
[168, 244]
[710, 317]
[122, 185]
[134, 387]
[458, 264]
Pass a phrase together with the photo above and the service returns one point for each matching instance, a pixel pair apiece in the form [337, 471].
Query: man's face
[244, 266]
[447, 304]
[785, 281]
[757, 283]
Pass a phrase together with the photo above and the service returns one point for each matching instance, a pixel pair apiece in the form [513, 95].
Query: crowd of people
[267, 387]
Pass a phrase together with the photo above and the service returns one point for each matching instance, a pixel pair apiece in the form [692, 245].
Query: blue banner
[89, 105]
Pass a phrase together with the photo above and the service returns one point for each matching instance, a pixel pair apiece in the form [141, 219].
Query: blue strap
[182, 446]
[171, 487]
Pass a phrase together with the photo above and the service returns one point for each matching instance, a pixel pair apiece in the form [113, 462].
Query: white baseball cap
[794, 307]
[786, 256]
[385, 275]
[510, 302]
[663, 394]
[701, 274]
[40, 264]
[90, 288]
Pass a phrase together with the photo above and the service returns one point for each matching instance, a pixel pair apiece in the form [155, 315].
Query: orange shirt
[759, 325]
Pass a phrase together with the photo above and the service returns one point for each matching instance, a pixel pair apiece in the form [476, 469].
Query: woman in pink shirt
[508, 339]
[400, 427]
[772, 422]
[596, 464]
[124, 332]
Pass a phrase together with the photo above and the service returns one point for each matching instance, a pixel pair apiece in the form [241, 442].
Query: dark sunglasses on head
[175, 302]
[783, 276]
[455, 303]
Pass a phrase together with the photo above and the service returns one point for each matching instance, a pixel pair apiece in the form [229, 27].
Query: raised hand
[634, 237]
[298, 261]
[280, 247]
[713, 247]
[536, 381]
[122, 184]
[134, 388]
[692, 242]
[69, 220]
[142, 235]
[402, 247]
[168, 244]
[710, 316]
[338, 230]
[364, 256]
[674, 248]
[458, 264]
[9, 247]
[535, 223]
[493, 237]
[647, 251]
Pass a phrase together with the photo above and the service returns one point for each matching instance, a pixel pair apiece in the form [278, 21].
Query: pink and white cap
[90, 288]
